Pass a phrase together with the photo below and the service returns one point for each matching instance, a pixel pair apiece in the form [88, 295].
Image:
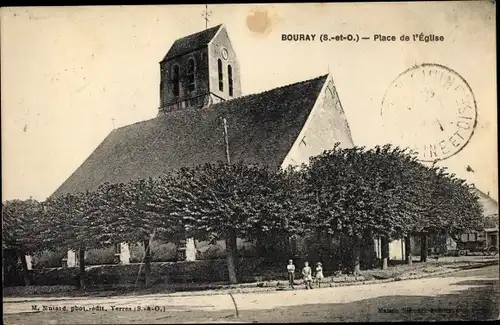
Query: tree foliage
[343, 192]
[215, 198]
[70, 221]
[21, 224]
[387, 192]
[359, 191]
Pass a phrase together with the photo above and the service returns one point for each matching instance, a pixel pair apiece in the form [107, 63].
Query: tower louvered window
[221, 75]
[230, 79]
[190, 75]
[175, 80]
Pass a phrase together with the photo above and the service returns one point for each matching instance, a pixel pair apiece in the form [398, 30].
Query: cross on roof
[205, 15]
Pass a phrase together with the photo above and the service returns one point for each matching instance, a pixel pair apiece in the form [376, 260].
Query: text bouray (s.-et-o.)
[354, 37]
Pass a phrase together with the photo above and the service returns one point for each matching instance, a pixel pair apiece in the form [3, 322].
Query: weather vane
[205, 15]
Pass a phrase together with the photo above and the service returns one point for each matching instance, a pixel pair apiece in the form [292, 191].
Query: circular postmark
[430, 109]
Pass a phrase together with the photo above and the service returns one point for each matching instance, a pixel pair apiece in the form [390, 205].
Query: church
[200, 100]
[201, 104]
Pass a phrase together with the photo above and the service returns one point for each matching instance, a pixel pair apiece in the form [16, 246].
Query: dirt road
[465, 295]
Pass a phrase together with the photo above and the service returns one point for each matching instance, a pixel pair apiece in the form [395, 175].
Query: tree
[357, 194]
[136, 212]
[444, 205]
[21, 223]
[223, 201]
[286, 210]
[491, 221]
[461, 211]
[72, 221]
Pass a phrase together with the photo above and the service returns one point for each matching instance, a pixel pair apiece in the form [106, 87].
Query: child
[319, 273]
[291, 272]
[307, 273]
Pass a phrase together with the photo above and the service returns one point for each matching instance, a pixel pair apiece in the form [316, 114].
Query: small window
[190, 75]
[176, 80]
[221, 76]
[230, 79]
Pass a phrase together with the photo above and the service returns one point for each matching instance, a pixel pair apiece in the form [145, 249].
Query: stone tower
[199, 70]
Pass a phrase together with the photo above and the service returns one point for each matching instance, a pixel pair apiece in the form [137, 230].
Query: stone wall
[219, 42]
[326, 125]
[169, 102]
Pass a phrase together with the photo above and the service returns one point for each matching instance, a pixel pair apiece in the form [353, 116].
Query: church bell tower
[199, 70]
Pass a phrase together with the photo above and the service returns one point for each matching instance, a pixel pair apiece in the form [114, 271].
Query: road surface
[465, 295]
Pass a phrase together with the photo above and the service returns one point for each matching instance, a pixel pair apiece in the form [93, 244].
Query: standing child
[307, 273]
[319, 274]
[291, 272]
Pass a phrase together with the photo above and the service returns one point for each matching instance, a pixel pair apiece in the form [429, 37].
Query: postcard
[305, 162]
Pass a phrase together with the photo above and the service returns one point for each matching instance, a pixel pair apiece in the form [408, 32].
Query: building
[445, 243]
[200, 86]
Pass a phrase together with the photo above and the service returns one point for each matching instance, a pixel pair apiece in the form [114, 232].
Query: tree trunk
[368, 251]
[294, 246]
[26, 274]
[231, 251]
[260, 244]
[408, 250]
[384, 242]
[356, 250]
[81, 260]
[423, 248]
[147, 263]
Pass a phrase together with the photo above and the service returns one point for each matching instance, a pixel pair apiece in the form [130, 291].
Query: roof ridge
[263, 129]
[200, 32]
[232, 100]
[236, 99]
[486, 195]
[191, 42]
[134, 123]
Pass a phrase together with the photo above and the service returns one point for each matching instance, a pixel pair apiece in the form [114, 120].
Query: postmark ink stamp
[432, 109]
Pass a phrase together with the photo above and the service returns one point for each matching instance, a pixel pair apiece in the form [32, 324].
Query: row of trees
[352, 193]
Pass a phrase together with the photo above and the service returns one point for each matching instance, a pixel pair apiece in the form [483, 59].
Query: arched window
[176, 80]
[221, 76]
[230, 79]
[190, 75]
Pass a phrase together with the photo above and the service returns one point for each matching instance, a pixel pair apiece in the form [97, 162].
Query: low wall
[161, 273]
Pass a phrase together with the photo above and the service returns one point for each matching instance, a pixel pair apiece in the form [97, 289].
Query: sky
[72, 74]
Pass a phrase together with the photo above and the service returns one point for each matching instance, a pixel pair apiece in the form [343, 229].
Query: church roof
[261, 129]
[191, 43]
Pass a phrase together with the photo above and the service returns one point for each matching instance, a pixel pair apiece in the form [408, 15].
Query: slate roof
[191, 43]
[261, 129]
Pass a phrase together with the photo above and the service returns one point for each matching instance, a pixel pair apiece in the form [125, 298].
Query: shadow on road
[473, 303]
[479, 302]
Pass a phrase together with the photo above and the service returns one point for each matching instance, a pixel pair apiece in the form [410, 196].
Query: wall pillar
[377, 247]
[396, 250]
[29, 262]
[190, 250]
[124, 254]
[384, 246]
[72, 260]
